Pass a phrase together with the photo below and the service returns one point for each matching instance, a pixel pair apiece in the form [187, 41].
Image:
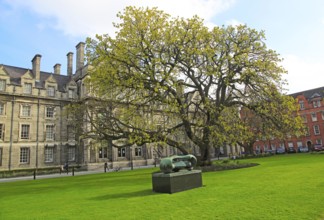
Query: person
[106, 167]
[66, 167]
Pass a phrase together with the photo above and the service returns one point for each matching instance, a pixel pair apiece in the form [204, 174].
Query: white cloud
[303, 75]
[84, 17]
[234, 22]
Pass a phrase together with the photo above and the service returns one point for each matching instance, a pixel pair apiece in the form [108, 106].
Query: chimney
[69, 63]
[57, 69]
[80, 56]
[36, 66]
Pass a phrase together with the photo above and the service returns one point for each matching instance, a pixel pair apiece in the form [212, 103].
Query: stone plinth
[177, 181]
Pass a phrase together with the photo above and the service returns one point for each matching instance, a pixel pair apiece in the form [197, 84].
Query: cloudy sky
[52, 28]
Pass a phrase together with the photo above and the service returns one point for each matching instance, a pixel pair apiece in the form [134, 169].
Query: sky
[52, 28]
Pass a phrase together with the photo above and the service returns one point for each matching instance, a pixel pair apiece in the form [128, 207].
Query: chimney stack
[36, 66]
[80, 56]
[57, 69]
[69, 64]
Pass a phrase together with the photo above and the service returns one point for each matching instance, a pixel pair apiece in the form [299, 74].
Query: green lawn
[281, 187]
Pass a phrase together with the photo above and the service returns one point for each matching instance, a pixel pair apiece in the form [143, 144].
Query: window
[2, 85]
[290, 144]
[71, 153]
[24, 155]
[25, 110]
[71, 93]
[317, 103]
[49, 154]
[49, 132]
[121, 152]
[319, 141]
[301, 105]
[323, 115]
[304, 117]
[316, 130]
[1, 131]
[314, 117]
[299, 144]
[24, 134]
[27, 88]
[138, 151]
[103, 152]
[51, 91]
[0, 156]
[50, 112]
[2, 109]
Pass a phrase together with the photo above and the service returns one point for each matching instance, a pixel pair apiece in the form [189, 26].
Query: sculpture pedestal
[176, 182]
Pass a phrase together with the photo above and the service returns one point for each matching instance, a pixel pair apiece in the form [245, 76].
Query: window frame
[103, 152]
[28, 88]
[49, 132]
[71, 153]
[314, 116]
[138, 152]
[316, 130]
[49, 154]
[2, 108]
[24, 156]
[51, 91]
[121, 152]
[3, 85]
[23, 110]
[22, 135]
[49, 114]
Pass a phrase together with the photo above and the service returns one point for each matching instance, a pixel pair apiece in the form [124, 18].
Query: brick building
[311, 109]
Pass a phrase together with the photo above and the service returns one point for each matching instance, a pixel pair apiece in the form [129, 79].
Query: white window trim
[315, 130]
[21, 110]
[29, 132]
[314, 118]
[47, 107]
[45, 129]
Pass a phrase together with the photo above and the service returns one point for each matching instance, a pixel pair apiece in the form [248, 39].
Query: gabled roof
[309, 94]
[15, 74]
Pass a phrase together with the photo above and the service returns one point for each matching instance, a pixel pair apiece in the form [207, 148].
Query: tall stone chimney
[57, 69]
[80, 55]
[36, 66]
[69, 64]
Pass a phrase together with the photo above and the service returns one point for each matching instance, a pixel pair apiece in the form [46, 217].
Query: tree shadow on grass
[141, 193]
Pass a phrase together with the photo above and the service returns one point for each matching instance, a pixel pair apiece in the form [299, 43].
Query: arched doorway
[309, 145]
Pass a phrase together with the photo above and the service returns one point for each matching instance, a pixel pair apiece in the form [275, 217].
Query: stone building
[35, 128]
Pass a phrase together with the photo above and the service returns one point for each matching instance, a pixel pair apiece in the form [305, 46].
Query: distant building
[311, 109]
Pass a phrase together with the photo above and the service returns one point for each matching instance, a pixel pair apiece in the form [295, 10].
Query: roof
[309, 94]
[15, 74]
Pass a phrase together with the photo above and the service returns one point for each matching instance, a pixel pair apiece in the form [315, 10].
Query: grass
[281, 187]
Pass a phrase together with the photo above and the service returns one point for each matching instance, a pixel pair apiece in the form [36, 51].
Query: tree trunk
[205, 158]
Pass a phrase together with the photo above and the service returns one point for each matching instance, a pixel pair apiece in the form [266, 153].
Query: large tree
[161, 77]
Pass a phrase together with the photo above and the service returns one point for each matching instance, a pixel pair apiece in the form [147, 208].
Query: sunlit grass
[281, 187]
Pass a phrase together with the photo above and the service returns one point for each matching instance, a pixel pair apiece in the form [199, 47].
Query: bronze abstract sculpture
[177, 162]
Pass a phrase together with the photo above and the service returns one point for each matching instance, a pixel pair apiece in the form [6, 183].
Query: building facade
[311, 109]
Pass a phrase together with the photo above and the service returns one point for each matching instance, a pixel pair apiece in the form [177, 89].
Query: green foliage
[281, 187]
[168, 77]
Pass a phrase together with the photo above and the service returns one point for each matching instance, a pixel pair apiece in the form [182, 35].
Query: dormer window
[2, 85]
[317, 103]
[27, 88]
[71, 93]
[51, 91]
